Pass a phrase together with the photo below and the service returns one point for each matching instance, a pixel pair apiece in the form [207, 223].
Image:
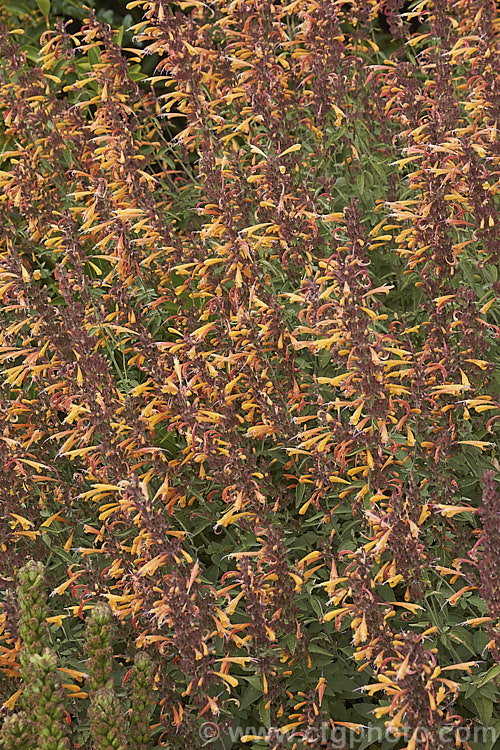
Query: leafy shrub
[250, 336]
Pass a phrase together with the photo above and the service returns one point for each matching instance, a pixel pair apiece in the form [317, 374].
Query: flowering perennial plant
[249, 337]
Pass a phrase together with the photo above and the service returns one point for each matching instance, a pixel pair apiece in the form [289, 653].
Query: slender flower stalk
[99, 649]
[141, 701]
[104, 713]
[33, 609]
[489, 562]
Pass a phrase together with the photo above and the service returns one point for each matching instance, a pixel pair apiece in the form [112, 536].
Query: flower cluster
[33, 610]
[45, 693]
[99, 649]
[141, 700]
[16, 732]
[106, 723]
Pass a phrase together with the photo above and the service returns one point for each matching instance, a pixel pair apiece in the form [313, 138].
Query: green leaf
[299, 494]
[17, 8]
[489, 675]
[324, 358]
[44, 6]
[317, 607]
[251, 695]
[93, 56]
[484, 707]
[265, 713]
[119, 38]
[255, 681]
[135, 73]
[32, 53]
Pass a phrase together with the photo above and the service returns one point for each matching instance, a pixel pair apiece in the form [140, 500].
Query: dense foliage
[250, 333]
